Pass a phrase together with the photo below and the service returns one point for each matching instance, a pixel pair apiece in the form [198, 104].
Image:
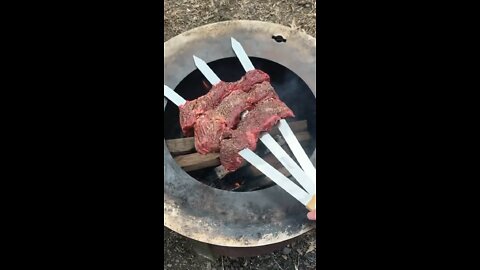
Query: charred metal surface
[219, 217]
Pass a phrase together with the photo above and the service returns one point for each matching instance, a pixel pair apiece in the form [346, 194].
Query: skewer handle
[312, 204]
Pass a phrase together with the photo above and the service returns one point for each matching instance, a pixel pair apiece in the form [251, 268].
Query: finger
[312, 215]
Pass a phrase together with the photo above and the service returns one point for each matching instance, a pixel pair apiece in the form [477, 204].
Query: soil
[179, 254]
[183, 15]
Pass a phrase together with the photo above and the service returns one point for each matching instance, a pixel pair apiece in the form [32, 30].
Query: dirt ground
[183, 15]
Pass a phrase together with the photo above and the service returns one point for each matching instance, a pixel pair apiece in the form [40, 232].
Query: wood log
[220, 172]
[181, 146]
[184, 146]
[196, 161]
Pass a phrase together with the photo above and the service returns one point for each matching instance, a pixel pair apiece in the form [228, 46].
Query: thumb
[312, 215]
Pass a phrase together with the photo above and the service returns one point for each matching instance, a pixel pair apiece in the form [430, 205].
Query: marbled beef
[260, 119]
[191, 110]
[216, 124]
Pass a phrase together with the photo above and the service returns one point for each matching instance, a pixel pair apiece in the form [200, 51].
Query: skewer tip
[198, 60]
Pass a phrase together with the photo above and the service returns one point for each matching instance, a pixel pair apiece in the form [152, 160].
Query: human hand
[312, 215]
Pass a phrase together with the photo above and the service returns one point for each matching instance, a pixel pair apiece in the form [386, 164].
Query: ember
[206, 85]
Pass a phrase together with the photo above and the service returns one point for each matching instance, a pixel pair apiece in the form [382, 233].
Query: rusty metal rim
[187, 224]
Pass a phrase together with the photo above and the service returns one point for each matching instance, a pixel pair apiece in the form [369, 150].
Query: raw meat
[216, 124]
[262, 118]
[209, 128]
[191, 110]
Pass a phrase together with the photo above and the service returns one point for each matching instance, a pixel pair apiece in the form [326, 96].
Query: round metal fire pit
[218, 217]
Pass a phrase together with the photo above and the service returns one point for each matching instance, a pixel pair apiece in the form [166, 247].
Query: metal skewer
[173, 96]
[305, 198]
[267, 139]
[310, 181]
[273, 146]
[307, 181]
[284, 128]
[206, 71]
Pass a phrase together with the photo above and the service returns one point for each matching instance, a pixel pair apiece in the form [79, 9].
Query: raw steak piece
[191, 110]
[261, 91]
[209, 127]
[262, 118]
[216, 124]
[250, 78]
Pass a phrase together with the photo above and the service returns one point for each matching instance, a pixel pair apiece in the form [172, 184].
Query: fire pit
[243, 213]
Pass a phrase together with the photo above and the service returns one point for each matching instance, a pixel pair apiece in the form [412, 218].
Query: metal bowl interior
[219, 217]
